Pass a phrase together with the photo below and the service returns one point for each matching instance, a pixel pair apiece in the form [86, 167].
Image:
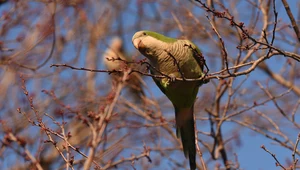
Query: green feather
[166, 55]
[160, 37]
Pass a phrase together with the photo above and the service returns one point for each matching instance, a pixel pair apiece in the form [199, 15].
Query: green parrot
[176, 59]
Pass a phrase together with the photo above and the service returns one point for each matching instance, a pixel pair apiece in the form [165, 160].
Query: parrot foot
[203, 80]
[166, 81]
[172, 78]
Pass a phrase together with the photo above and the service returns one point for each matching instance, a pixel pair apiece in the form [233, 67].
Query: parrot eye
[144, 33]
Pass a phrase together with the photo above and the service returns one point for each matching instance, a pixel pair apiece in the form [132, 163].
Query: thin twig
[294, 152]
[176, 63]
[224, 50]
[274, 156]
[291, 16]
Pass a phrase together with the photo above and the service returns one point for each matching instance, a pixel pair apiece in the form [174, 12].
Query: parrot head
[150, 43]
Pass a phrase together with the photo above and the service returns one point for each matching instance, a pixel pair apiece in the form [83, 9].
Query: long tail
[185, 130]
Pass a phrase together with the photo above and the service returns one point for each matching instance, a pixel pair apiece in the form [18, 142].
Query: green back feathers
[160, 37]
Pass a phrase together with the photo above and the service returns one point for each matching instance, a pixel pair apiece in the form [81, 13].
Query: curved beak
[136, 42]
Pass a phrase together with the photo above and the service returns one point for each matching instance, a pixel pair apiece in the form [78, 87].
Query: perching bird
[134, 82]
[114, 51]
[175, 58]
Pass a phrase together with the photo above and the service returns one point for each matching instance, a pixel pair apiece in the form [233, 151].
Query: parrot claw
[205, 80]
[166, 81]
[172, 78]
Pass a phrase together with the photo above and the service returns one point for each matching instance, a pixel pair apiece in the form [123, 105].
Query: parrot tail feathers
[186, 130]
